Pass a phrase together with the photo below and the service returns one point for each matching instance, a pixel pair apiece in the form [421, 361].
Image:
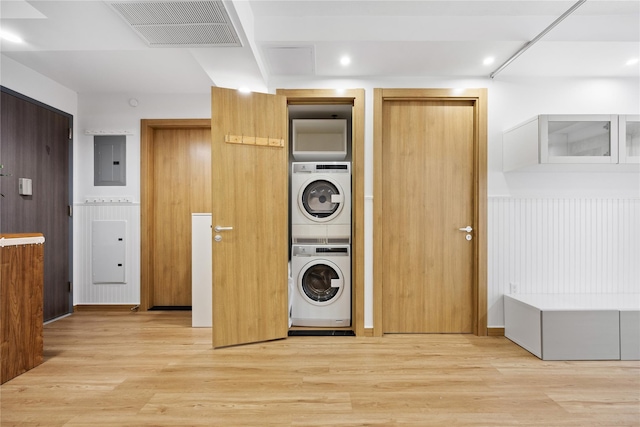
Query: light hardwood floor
[152, 368]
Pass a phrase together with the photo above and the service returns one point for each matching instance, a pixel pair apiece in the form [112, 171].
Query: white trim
[17, 241]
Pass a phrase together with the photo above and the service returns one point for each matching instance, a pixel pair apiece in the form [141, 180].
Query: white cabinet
[572, 141]
[319, 139]
[629, 131]
[578, 139]
[201, 270]
[574, 326]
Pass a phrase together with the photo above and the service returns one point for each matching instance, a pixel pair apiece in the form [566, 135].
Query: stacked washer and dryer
[320, 224]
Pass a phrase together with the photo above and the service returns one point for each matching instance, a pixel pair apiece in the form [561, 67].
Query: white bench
[575, 326]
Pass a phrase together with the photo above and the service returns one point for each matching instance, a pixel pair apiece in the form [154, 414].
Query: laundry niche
[320, 228]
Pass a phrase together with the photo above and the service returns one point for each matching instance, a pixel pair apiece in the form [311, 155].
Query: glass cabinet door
[629, 127]
[578, 139]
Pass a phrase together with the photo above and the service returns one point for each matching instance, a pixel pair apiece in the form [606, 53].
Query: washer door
[320, 282]
[321, 200]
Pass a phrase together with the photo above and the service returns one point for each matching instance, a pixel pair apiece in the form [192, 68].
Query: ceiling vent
[180, 23]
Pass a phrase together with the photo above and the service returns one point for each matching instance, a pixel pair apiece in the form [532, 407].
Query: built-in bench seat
[575, 326]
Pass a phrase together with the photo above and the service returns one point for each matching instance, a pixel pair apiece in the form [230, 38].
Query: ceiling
[87, 45]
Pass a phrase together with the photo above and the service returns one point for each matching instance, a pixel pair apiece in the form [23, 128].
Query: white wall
[561, 245]
[113, 112]
[510, 102]
[19, 78]
[516, 100]
[107, 113]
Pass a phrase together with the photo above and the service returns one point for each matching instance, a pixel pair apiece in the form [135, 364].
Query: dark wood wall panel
[35, 144]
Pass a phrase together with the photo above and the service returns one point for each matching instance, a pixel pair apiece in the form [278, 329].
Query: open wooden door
[249, 155]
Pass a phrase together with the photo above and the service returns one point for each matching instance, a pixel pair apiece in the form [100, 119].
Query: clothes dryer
[321, 202]
[322, 295]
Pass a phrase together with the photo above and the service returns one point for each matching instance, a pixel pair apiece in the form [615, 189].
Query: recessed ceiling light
[10, 37]
[244, 90]
[633, 61]
[345, 60]
[488, 60]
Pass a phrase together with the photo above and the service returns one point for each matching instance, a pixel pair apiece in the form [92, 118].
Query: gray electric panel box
[109, 160]
[108, 251]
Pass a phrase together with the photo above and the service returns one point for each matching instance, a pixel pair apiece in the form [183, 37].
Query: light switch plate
[25, 187]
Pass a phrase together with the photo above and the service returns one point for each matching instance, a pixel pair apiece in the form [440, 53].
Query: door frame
[353, 97]
[147, 188]
[479, 99]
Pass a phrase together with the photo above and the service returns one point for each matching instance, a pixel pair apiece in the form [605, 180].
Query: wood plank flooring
[152, 368]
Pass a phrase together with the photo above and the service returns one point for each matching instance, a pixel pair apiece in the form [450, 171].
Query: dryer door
[321, 282]
[321, 200]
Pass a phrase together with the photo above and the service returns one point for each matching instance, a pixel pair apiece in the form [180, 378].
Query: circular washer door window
[321, 200]
[321, 283]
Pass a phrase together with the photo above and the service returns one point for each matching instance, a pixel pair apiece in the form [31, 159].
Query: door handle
[218, 228]
[467, 229]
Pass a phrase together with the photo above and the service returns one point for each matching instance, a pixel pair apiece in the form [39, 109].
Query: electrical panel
[109, 154]
[108, 251]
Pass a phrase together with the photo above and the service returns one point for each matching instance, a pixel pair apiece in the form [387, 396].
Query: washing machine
[321, 202]
[322, 294]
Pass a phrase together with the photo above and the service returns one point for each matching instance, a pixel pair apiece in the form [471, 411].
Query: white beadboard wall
[561, 245]
[86, 292]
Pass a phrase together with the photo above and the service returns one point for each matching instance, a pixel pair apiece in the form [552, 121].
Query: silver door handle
[467, 229]
[218, 228]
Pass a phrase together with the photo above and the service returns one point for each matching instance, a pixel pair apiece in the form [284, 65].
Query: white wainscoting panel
[561, 245]
[87, 292]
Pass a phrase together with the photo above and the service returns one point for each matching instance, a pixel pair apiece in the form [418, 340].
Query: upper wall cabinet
[578, 139]
[629, 130]
[572, 143]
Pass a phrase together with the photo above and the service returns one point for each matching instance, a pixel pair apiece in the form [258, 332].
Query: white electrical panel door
[108, 251]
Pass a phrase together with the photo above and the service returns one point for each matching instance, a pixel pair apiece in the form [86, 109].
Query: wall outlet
[513, 288]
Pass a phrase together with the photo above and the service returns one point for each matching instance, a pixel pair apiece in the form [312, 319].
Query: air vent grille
[180, 24]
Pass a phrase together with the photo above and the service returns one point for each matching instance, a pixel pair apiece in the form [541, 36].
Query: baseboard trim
[495, 332]
[368, 332]
[104, 307]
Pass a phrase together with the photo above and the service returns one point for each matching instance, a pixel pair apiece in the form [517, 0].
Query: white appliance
[321, 202]
[201, 270]
[322, 295]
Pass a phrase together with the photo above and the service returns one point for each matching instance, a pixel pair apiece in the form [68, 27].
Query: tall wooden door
[249, 194]
[35, 143]
[181, 186]
[427, 197]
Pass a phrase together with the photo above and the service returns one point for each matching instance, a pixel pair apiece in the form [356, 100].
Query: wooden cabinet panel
[21, 308]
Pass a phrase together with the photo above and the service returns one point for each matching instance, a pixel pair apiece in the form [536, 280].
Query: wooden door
[427, 168]
[249, 193]
[181, 186]
[35, 143]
